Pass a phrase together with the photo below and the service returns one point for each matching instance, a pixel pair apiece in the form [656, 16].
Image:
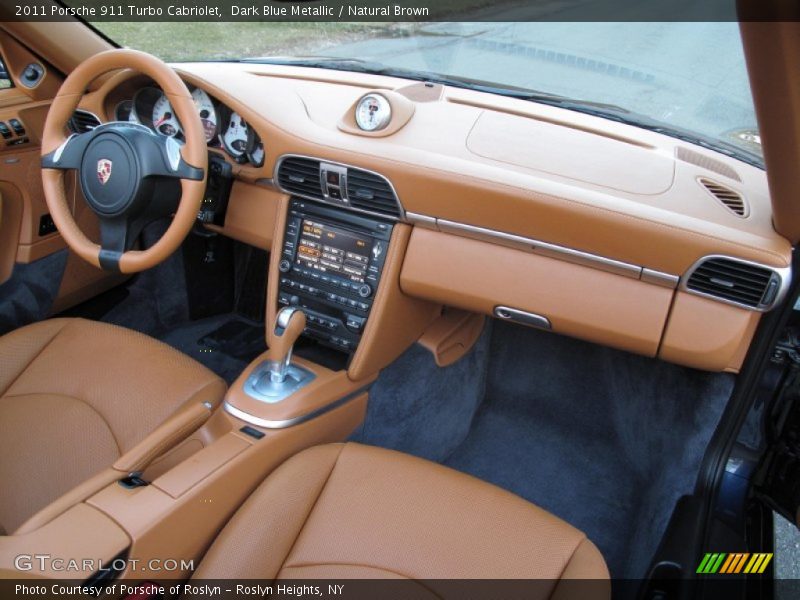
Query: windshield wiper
[598, 109]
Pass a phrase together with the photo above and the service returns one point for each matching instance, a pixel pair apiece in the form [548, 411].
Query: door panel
[25, 237]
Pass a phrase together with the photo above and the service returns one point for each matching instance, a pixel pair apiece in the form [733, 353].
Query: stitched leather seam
[165, 444]
[361, 565]
[572, 557]
[33, 359]
[200, 388]
[313, 506]
[81, 400]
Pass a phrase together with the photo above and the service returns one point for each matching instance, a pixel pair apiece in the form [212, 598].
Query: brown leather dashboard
[591, 223]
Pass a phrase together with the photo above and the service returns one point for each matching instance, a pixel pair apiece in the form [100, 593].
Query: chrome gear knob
[289, 324]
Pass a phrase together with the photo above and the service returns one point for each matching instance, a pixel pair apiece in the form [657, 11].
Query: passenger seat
[349, 511]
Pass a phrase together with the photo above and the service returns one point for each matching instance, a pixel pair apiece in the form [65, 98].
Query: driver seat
[77, 395]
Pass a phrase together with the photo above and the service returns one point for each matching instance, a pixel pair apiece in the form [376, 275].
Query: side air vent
[730, 199]
[83, 121]
[734, 281]
[300, 176]
[371, 192]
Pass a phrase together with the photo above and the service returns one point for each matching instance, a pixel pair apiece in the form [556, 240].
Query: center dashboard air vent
[345, 186]
[737, 282]
[82, 121]
[371, 192]
[300, 176]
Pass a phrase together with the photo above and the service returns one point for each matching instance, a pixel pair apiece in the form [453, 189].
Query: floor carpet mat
[606, 440]
[224, 343]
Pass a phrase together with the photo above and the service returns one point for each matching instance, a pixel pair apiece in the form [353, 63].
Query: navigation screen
[334, 251]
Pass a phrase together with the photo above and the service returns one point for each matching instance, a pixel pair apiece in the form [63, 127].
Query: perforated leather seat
[74, 396]
[353, 511]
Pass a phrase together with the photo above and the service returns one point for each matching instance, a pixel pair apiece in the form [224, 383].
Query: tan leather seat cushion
[74, 396]
[353, 511]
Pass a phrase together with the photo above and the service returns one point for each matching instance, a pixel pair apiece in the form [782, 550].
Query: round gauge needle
[167, 116]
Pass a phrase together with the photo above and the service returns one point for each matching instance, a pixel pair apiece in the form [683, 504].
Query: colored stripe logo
[734, 563]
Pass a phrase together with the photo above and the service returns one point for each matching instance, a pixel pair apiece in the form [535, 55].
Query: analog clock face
[373, 112]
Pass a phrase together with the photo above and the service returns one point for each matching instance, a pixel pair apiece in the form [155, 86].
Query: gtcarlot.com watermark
[47, 562]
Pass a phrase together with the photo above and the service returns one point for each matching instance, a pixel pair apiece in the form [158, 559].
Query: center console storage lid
[79, 533]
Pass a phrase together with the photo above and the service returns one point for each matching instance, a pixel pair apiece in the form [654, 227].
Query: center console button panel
[331, 264]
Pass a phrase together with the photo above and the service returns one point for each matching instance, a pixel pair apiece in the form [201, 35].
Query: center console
[330, 266]
[325, 275]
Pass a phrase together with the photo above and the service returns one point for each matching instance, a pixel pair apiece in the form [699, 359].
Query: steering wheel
[129, 174]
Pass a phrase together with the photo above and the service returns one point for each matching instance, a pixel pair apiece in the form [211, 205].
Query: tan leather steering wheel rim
[194, 152]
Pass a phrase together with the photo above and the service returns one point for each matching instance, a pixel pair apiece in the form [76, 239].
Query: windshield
[683, 79]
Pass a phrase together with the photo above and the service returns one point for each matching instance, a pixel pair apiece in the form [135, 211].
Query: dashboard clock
[373, 112]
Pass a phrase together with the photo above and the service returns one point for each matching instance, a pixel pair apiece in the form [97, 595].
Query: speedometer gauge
[207, 112]
[373, 112]
[234, 137]
[164, 119]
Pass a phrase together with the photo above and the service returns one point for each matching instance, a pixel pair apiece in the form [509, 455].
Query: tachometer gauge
[373, 112]
[234, 138]
[207, 112]
[255, 149]
[164, 119]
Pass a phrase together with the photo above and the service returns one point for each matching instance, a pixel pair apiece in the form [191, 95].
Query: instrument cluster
[223, 127]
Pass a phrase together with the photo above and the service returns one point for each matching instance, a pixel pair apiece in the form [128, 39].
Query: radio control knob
[365, 291]
[284, 266]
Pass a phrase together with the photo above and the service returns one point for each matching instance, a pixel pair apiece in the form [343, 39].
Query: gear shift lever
[289, 324]
[276, 378]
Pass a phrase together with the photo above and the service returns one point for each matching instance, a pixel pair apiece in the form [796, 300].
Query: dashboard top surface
[503, 164]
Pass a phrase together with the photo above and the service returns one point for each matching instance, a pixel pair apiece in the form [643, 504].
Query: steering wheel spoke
[116, 238]
[69, 154]
[171, 164]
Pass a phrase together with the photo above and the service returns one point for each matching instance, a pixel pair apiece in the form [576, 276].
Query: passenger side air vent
[371, 192]
[300, 176]
[730, 199]
[735, 281]
[83, 121]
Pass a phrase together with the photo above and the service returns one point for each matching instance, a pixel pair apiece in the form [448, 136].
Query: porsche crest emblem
[104, 170]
